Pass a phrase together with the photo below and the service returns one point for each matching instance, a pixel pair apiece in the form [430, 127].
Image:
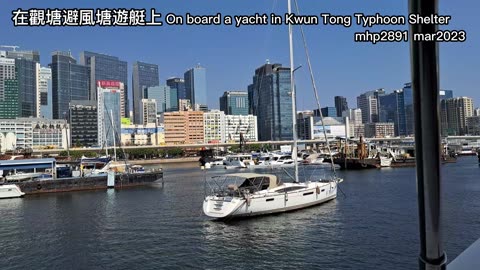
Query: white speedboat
[314, 159]
[275, 161]
[238, 161]
[260, 194]
[10, 191]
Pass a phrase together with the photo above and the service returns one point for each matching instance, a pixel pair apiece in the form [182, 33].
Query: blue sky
[341, 66]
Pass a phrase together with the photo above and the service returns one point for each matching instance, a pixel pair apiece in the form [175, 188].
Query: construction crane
[14, 48]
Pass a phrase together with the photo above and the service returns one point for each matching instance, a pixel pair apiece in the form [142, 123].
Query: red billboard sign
[108, 84]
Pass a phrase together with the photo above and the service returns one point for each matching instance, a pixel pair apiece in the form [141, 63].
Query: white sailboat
[259, 194]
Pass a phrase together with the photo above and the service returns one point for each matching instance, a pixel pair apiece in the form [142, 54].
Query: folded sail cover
[255, 177]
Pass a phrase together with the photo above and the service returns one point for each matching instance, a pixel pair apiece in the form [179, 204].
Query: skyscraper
[9, 92]
[446, 94]
[326, 112]
[179, 85]
[354, 116]
[83, 123]
[144, 75]
[196, 87]
[368, 103]
[234, 103]
[109, 114]
[106, 68]
[165, 96]
[70, 81]
[340, 105]
[44, 92]
[454, 114]
[391, 109]
[270, 100]
[26, 65]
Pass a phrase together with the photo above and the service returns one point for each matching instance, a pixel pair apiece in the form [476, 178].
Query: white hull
[271, 201]
[22, 176]
[10, 191]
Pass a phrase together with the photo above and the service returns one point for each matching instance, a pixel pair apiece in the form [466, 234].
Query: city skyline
[333, 51]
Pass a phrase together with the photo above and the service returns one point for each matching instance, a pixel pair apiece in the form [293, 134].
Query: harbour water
[374, 226]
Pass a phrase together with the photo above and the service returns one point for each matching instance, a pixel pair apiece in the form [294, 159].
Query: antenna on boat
[292, 89]
[316, 93]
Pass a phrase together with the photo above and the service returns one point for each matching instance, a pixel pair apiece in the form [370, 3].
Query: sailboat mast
[292, 89]
[113, 133]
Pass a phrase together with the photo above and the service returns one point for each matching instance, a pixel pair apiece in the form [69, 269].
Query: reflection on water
[373, 227]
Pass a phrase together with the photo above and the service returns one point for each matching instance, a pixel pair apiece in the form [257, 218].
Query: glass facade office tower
[392, 110]
[144, 75]
[83, 123]
[106, 68]
[109, 116]
[9, 92]
[70, 81]
[341, 105]
[179, 85]
[326, 112]
[165, 96]
[26, 65]
[269, 99]
[234, 103]
[196, 87]
[44, 92]
[454, 115]
[368, 103]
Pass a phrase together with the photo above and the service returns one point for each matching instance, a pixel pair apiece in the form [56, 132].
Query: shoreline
[163, 160]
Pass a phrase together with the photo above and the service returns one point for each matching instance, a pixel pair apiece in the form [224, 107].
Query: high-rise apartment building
[234, 103]
[106, 68]
[196, 87]
[270, 100]
[144, 75]
[70, 81]
[341, 105]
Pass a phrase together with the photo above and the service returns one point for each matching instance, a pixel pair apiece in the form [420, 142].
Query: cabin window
[308, 193]
[269, 200]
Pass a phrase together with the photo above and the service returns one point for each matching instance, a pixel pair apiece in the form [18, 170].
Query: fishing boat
[240, 161]
[259, 194]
